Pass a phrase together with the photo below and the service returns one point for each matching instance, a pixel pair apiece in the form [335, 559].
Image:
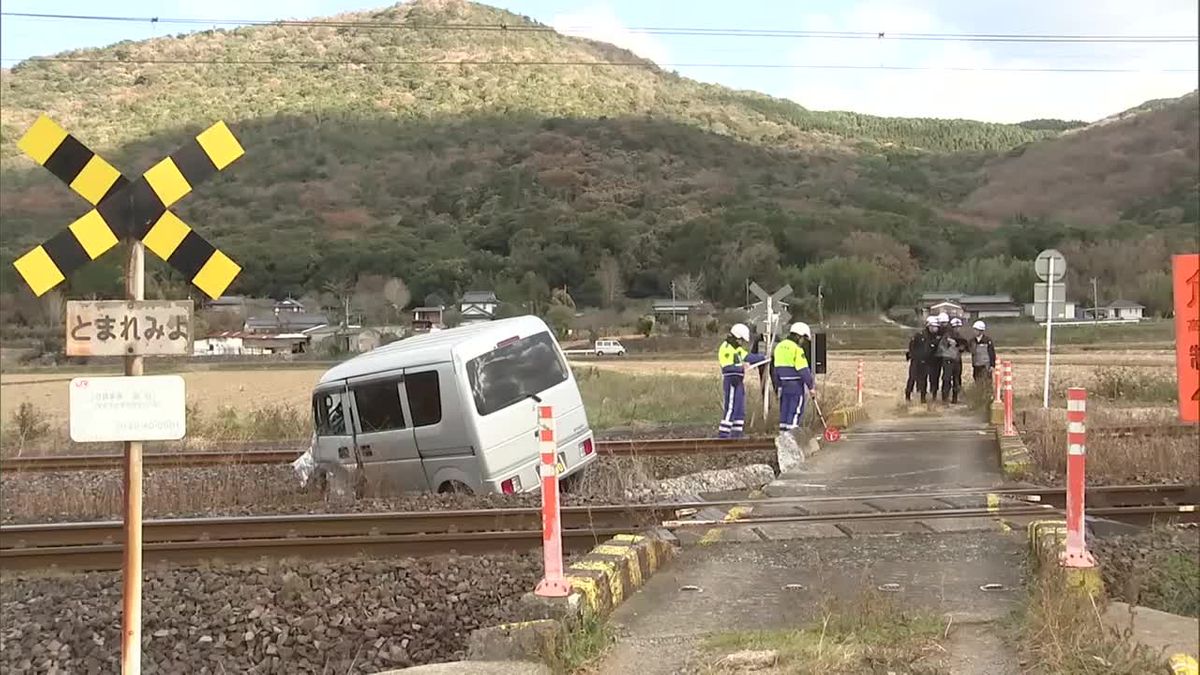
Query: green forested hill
[532, 165]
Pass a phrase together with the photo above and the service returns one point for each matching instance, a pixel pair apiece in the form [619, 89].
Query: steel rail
[282, 455]
[661, 447]
[241, 543]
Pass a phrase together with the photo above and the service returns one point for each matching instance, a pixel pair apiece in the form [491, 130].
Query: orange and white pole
[859, 383]
[1076, 553]
[1010, 426]
[553, 584]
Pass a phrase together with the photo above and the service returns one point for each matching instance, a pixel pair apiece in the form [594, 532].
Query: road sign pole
[1049, 323]
[131, 617]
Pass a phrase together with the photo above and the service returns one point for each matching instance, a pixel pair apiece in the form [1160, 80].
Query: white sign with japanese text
[129, 328]
[142, 408]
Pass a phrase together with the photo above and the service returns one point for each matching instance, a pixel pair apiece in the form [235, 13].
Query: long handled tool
[831, 434]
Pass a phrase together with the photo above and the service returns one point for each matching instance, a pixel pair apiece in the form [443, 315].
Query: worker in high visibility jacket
[734, 359]
[793, 377]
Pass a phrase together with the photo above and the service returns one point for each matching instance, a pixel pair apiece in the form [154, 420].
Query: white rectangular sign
[144, 408]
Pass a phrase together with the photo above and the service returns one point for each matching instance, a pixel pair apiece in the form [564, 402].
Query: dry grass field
[620, 393]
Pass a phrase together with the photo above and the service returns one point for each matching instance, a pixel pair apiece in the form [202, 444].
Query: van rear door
[384, 440]
[503, 383]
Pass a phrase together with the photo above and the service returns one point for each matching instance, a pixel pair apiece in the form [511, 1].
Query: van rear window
[512, 372]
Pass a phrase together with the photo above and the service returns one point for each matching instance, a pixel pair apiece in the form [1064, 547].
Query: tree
[689, 286]
[560, 297]
[395, 291]
[341, 290]
[559, 317]
[609, 276]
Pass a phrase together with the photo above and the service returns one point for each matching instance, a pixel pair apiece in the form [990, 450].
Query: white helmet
[979, 325]
[943, 318]
[931, 320]
[740, 331]
[956, 321]
[800, 328]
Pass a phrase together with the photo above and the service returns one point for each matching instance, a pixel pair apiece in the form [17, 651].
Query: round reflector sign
[833, 434]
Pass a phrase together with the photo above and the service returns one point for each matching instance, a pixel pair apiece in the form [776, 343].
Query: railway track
[96, 545]
[623, 448]
[284, 454]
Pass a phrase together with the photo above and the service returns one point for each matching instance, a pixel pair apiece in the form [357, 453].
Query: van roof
[434, 347]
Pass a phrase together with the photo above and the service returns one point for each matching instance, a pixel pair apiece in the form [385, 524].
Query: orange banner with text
[1185, 271]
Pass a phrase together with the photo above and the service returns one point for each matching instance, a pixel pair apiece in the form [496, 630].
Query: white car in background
[609, 347]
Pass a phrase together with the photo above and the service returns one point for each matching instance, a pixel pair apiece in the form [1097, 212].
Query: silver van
[454, 410]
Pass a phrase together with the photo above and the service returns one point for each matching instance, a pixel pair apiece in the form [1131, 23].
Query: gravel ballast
[1158, 568]
[268, 489]
[354, 616]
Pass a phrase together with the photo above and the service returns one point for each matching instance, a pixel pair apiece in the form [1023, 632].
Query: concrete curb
[847, 417]
[1046, 540]
[1014, 457]
[600, 581]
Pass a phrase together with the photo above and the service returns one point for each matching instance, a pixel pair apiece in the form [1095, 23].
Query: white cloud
[600, 22]
[990, 95]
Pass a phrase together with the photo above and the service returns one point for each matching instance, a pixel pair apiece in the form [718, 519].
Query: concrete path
[775, 576]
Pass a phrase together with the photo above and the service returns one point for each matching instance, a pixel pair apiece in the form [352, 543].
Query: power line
[573, 63]
[686, 31]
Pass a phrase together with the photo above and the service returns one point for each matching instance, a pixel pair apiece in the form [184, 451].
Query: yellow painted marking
[652, 557]
[42, 139]
[220, 145]
[1183, 664]
[631, 556]
[167, 181]
[714, 535]
[164, 237]
[38, 270]
[518, 624]
[993, 502]
[616, 584]
[631, 538]
[94, 235]
[95, 179]
[216, 275]
[587, 586]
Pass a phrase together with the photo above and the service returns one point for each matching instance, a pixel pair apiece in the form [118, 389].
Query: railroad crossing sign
[1050, 263]
[128, 209]
[771, 312]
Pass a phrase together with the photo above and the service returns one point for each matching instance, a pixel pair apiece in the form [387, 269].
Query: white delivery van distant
[450, 411]
[609, 347]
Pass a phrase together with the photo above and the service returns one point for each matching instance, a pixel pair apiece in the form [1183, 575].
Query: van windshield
[513, 371]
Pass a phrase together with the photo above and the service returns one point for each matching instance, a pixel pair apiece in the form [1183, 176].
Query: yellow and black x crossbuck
[129, 209]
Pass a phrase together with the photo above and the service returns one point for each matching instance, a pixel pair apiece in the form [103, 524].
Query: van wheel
[453, 487]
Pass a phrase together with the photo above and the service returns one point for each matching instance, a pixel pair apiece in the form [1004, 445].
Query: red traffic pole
[859, 384]
[553, 584]
[1010, 427]
[1076, 553]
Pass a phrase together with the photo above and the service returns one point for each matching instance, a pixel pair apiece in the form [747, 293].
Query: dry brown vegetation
[1096, 174]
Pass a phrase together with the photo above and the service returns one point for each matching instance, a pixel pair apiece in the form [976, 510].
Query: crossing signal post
[136, 211]
[771, 317]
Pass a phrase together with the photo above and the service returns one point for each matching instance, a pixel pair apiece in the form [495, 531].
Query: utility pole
[820, 303]
[1095, 302]
[674, 317]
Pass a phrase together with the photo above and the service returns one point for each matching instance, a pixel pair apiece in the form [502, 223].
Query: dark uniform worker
[920, 349]
[983, 353]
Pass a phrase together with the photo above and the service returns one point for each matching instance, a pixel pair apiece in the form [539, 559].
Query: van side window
[378, 406]
[328, 414]
[424, 397]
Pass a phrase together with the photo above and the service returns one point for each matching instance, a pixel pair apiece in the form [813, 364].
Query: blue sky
[978, 93]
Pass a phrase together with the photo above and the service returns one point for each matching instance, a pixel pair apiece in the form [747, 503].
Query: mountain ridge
[359, 161]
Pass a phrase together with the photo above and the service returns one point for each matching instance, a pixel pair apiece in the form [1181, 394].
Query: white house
[1122, 309]
[477, 306]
